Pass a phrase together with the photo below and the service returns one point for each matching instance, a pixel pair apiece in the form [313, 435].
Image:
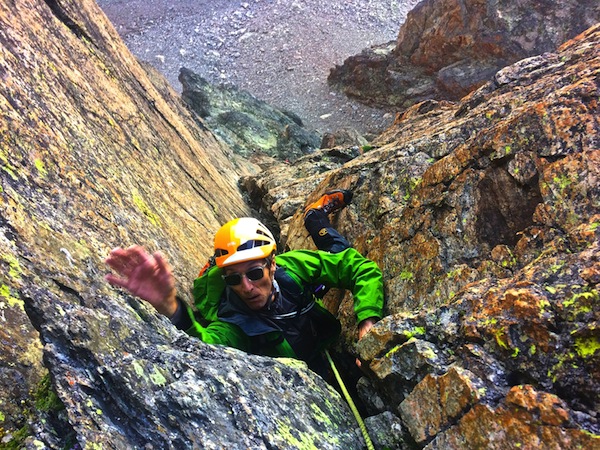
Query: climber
[257, 301]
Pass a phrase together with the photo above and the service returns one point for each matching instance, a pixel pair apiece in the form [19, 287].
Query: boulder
[129, 379]
[246, 124]
[446, 48]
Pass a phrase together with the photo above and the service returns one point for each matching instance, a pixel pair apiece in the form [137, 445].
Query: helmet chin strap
[274, 293]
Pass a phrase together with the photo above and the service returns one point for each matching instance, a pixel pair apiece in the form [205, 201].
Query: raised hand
[146, 276]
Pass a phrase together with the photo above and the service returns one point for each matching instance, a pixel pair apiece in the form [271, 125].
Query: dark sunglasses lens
[233, 280]
[255, 274]
[236, 278]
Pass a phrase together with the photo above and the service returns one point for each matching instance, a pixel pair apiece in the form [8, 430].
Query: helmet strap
[274, 293]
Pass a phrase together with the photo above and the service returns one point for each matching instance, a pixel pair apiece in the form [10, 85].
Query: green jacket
[225, 323]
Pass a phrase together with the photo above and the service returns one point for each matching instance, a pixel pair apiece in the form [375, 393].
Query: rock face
[247, 124]
[128, 379]
[95, 152]
[281, 190]
[484, 217]
[448, 48]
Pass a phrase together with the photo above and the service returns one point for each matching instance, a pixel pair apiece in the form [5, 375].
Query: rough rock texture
[246, 124]
[281, 190]
[96, 151]
[448, 48]
[129, 379]
[345, 137]
[484, 216]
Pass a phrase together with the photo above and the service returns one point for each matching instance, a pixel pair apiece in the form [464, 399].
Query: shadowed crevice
[506, 207]
[62, 15]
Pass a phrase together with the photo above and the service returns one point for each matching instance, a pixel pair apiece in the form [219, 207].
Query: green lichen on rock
[41, 167]
[501, 339]
[320, 415]
[292, 362]
[139, 370]
[6, 166]
[45, 397]
[587, 298]
[586, 347]
[157, 378]
[14, 268]
[407, 275]
[532, 349]
[300, 440]
[414, 332]
[5, 293]
[145, 209]
[562, 181]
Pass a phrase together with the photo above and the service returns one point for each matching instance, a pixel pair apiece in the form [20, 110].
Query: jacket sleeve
[218, 332]
[207, 294]
[215, 332]
[346, 270]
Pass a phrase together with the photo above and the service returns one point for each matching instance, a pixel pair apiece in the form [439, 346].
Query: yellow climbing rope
[361, 424]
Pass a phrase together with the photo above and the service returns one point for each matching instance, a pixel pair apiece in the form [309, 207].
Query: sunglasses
[254, 274]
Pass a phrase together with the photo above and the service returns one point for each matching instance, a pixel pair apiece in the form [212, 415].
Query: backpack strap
[300, 311]
[293, 289]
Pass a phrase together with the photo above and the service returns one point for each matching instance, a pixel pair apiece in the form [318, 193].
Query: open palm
[146, 276]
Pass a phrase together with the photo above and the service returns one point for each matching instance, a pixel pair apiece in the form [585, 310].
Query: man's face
[254, 294]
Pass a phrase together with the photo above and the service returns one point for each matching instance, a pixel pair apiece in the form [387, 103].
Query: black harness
[292, 312]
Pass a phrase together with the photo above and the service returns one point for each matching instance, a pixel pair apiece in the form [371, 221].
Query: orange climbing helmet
[243, 239]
